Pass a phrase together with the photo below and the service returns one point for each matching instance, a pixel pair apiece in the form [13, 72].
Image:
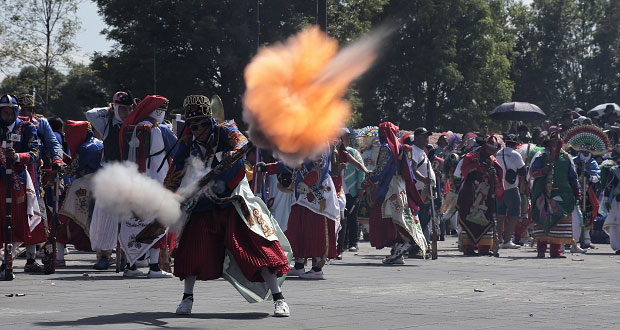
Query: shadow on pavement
[598, 254]
[96, 277]
[154, 319]
[377, 264]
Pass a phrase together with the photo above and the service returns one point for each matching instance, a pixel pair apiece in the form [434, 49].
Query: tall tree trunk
[46, 71]
[431, 106]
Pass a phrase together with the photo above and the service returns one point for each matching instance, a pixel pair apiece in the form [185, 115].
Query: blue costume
[27, 225]
[86, 152]
[229, 232]
[223, 139]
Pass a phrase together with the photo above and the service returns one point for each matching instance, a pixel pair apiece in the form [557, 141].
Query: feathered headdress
[366, 135]
[588, 138]
[368, 131]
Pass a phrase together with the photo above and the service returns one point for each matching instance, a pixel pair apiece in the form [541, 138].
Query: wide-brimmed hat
[197, 106]
[25, 100]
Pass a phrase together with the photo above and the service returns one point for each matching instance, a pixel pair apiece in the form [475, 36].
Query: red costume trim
[75, 134]
[140, 113]
[24, 158]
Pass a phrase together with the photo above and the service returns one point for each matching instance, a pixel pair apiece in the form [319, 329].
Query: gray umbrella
[517, 111]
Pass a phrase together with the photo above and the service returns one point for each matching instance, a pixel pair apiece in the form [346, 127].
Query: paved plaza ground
[515, 291]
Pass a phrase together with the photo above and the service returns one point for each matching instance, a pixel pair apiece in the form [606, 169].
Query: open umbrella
[600, 109]
[517, 111]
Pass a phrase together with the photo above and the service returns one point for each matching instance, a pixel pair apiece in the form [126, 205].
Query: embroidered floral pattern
[173, 179]
[267, 230]
[382, 161]
[133, 242]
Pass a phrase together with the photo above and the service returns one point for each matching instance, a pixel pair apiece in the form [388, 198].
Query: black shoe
[540, 255]
[416, 254]
[618, 252]
[102, 264]
[558, 256]
[442, 238]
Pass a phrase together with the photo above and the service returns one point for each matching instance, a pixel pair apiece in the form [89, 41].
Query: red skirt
[310, 234]
[20, 228]
[383, 232]
[206, 236]
[168, 242]
[70, 232]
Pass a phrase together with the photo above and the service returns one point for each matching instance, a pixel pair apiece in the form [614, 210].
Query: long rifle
[219, 169]
[155, 229]
[118, 250]
[8, 218]
[432, 212]
[584, 195]
[492, 175]
[50, 249]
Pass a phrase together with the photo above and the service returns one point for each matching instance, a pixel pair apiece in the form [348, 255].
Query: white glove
[303, 188]
[213, 188]
[594, 179]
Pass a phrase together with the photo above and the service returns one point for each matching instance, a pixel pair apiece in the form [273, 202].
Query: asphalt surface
[515, 291]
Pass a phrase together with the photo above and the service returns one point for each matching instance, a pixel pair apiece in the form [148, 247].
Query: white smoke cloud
[125, 192]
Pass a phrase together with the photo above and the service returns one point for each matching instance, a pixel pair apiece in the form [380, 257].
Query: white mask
[584, 158]
[116, 116]
[159, 115]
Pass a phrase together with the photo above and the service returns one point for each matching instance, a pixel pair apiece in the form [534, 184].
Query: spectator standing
[509, 208]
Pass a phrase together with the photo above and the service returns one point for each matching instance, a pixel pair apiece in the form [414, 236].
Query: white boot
[185, 307]
[281, 308]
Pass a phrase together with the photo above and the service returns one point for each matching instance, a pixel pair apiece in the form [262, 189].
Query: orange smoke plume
[293, 100]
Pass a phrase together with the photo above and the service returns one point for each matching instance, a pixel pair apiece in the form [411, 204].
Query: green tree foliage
[175, 48]
[604, 66]
[40, 34]
[81, 91]
[567, 53]
[31, 80]
[70, 95]
[447, 65]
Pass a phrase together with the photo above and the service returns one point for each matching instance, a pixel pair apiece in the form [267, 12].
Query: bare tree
[41, 33]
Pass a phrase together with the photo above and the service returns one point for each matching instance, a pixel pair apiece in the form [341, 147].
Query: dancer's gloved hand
[227, 159]
[11, 154]
[260, 167]
[59, 166]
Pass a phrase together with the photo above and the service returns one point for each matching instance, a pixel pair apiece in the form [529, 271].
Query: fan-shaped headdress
[588, 138]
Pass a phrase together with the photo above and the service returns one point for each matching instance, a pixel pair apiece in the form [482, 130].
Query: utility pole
[321, 14]
[257, 24]
[154, 72]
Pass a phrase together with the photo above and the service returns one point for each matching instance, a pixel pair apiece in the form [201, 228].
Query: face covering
[583, 157]
[6, 123]
[116, 116]
[158, 115]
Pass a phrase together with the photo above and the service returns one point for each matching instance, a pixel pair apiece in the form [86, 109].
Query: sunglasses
[197, 126]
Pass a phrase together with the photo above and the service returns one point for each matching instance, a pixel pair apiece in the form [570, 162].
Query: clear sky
[90, 38]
